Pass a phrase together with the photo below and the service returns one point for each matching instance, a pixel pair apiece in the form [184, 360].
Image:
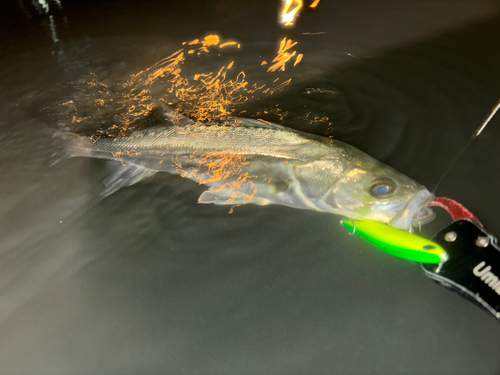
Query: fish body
[252, 161]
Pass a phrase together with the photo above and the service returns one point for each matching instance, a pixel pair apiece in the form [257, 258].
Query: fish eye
[382, 188]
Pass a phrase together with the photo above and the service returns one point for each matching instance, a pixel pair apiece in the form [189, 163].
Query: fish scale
[239, 140]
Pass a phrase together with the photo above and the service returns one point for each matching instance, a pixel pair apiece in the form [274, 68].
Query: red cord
[455, 209]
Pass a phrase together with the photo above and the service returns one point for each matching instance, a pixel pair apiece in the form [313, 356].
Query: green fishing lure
[397, 242]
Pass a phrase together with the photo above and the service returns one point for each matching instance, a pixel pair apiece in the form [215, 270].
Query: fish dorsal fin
[124, 175]
[256, 123]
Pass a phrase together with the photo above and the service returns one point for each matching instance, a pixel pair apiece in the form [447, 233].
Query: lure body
[397, 242]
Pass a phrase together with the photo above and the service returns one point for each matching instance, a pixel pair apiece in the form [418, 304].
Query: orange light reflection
[283, 55]
[288, 14]
[314, 4]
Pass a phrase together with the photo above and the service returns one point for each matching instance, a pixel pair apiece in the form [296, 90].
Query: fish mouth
[424, 216]
[416, 212]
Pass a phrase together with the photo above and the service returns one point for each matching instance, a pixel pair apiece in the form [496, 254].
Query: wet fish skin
[261, 163]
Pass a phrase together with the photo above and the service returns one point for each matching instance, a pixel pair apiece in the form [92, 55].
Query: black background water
[147, 281]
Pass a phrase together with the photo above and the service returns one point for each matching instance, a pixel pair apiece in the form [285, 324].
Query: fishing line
[472, 139]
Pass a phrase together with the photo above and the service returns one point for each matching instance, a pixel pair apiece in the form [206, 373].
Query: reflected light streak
[299, 59]
[44, 5]
[283, 56]
[229, 44]
[290, 9]
[314, 4]
[55, 39]
[209, 96]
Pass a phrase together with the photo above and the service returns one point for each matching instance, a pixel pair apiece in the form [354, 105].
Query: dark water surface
[146, 281]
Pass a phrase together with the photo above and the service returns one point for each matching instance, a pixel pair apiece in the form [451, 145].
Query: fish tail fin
[63, 147]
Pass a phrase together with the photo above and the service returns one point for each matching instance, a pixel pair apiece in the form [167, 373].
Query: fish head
[373, 191]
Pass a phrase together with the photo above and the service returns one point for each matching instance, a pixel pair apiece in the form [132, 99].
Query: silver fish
[253, 161]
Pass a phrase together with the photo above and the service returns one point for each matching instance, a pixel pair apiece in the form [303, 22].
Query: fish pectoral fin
[256, 183]
[124, 175]
[212, 197]
[225, 197]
